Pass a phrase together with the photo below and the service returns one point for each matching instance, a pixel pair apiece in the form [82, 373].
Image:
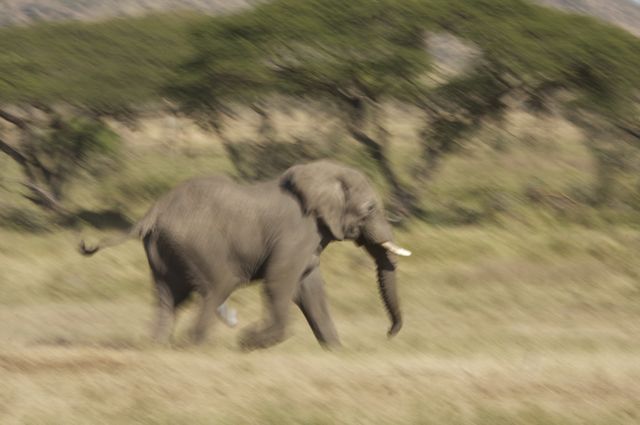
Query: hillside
[16, 12]
[621, 12]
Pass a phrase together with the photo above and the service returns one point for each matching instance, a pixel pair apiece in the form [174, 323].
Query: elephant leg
[172, 286]
[227, 315]
[312, 302]
[165, 313]
[206, 316]
[215, 292]
[278, 295]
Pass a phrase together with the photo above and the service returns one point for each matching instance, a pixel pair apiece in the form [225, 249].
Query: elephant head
[347, 208]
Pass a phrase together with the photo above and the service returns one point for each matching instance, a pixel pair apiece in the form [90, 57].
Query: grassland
[503, 325]
[523, 318]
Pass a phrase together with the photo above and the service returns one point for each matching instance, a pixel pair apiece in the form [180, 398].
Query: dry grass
[86, 385]
[528, 321]
[502, 326]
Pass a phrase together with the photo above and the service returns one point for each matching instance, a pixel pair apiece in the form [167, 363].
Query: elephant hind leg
[214, 292]
[165, 314]
[171, 282]
[312, 302]
[206, 317]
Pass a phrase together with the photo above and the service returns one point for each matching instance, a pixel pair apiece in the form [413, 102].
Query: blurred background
[504, 136]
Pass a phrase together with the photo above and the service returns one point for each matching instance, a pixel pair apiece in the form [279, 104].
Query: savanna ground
[523, 318]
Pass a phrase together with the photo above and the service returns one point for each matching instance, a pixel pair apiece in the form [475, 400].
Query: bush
[260, 161]
[24, 219]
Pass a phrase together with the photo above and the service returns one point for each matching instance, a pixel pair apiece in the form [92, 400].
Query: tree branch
[21, 123]
[45, 199]
[40, 196]
[630, 131]
[405, 200]
[13, 153]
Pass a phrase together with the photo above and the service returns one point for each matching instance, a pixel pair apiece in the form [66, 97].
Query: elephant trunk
[386, 270]
[377, 238]
[388, 292]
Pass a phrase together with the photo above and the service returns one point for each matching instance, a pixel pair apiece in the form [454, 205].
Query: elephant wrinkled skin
[212, 235]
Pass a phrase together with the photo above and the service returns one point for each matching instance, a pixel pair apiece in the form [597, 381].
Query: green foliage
[548, 49]
[23, 219]
[260, 161]
[374, 47]
[74, 145]
[318, 47]
[364, 46]
[314, 48]
[105, 67]
[79, 138]
[350, 54]
[268, 159]
[225, 66]
[361, 52]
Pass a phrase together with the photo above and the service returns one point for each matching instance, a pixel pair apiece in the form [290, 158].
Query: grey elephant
[213, 235]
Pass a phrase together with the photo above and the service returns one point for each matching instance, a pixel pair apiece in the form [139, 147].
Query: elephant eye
[368, 208]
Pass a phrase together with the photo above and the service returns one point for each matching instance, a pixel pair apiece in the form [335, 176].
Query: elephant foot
[160, 341]
[229, 316]
[155, 343]
[199, 337]
[331, 345]
[161, 337]
[253, 338]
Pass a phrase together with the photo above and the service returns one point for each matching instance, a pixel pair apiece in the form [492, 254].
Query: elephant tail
[104, 243]
[139, 230]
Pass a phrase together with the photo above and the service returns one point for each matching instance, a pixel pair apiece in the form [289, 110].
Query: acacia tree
[543, 57]
[58, 82]
[347, 55]
[51, 150]
[354, 55]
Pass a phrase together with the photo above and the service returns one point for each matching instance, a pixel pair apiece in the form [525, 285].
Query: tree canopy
[351, 55]
[378, 47]
[106, 67]
[356, 54]
[314, 48]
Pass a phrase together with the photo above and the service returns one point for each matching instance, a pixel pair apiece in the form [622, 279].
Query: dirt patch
[74, 362]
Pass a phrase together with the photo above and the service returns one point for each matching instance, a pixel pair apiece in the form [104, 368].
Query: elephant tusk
[391, 247]
[228, 315]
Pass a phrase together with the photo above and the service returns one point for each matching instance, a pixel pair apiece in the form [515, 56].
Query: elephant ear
[320, 192]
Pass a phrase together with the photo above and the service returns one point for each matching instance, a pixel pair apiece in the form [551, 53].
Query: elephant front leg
[278, 296]
[312, 302]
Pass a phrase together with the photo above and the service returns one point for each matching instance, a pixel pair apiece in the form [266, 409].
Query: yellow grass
[502, 326]
[528, 321]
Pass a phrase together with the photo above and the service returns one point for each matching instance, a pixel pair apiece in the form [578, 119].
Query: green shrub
[260, 161]
[24, 219]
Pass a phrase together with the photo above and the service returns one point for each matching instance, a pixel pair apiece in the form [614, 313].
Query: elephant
[212, 235]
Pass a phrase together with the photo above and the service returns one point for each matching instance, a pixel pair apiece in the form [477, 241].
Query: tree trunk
[404, 203]
[42, 184]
